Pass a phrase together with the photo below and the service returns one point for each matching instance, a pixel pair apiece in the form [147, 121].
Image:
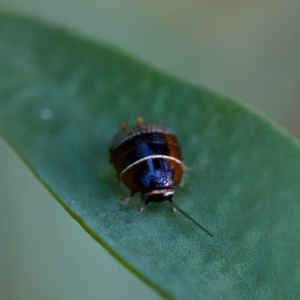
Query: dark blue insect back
[147, 159]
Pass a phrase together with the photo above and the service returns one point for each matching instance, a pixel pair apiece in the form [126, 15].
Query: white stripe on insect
[157, 156]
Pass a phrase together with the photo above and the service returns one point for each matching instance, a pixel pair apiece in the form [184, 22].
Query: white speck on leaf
[46, 113]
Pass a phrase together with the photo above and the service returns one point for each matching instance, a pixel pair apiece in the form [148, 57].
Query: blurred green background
[248, 50]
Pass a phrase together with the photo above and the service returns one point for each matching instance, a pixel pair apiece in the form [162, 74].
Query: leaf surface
[61, 101]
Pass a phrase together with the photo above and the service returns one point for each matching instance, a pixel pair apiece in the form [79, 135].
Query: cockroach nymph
[147, 158]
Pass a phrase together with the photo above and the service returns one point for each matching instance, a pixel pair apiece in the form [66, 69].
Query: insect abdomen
[146, 157]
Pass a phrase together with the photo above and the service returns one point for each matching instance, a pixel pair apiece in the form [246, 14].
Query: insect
[147, 159]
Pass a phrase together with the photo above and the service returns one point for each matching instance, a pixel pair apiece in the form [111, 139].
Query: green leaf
[61, 101]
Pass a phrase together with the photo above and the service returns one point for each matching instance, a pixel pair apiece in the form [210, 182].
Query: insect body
[147, 159]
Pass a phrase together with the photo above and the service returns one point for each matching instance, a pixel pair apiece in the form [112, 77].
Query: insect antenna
[176, 207]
